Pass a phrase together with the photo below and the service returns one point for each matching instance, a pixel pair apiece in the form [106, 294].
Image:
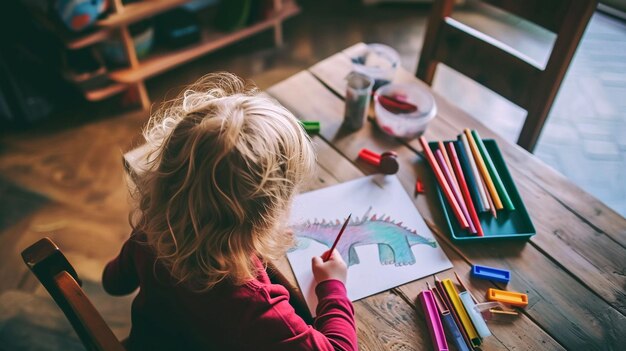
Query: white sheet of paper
[395, 220]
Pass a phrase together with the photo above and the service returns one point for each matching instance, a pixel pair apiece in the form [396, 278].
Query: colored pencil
[469, 176]
[493, 171]
[492, 207]
[457, 195]
[442, 182]
[343, 228]
[458, 279]
[456, 165]
[447, 159]
[481, 188]
[482, 167]
[446, 301]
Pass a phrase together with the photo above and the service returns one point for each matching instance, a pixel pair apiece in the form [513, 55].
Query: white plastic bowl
[405, 125]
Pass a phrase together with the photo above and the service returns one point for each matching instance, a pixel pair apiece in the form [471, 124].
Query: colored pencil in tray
[482, 167]
[449, 164]
[456, 165]
[457, 195]
[456, 209]
[482, 190]
[469, 177]
[493, 172]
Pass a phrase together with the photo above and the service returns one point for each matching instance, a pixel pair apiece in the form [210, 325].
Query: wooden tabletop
[573, 270]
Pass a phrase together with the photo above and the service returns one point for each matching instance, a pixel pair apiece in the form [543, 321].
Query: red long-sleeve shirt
[255, 316]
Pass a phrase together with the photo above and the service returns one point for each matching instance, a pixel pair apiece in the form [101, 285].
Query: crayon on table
[432, 320]
[482, 167]
[442, 182]
[493, 171]
[457, 195]
[481, 188]
[456, 165]
[469, 176]
[460, 310]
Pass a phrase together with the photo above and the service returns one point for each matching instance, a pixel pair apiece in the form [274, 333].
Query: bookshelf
[138, 71]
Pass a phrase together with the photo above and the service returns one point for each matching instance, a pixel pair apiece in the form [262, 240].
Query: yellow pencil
[483, 170]
[460, 311]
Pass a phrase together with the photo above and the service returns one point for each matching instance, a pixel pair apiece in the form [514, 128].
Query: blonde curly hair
[226, 161]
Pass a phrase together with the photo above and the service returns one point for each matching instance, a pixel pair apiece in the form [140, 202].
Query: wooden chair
[502, 68]
[58, 276]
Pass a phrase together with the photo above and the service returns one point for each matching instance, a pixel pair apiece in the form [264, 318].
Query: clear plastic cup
[405, 125]
[378, 61]
[358, 92]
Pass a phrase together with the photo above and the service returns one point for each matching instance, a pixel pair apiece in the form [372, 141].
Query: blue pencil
[469, 176]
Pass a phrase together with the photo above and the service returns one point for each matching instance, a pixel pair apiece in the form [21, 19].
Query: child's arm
[119, 276]
[274, 325]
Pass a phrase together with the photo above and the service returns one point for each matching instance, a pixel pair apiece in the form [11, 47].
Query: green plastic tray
[509, 224]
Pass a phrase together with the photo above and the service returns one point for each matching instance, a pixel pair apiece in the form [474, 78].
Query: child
[226, 163]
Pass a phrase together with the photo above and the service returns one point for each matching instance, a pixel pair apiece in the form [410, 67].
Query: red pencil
[442, 182]
[330, 252]
[464, 189]
[456, 192]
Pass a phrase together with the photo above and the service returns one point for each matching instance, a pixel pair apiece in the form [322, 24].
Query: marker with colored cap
[432, 320]
[311, 127]
[490, 273]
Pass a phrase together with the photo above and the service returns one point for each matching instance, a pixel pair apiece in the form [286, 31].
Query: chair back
[58, 276]
[500, 67]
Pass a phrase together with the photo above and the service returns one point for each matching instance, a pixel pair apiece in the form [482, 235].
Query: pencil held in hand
[332, 268]
[326, 256]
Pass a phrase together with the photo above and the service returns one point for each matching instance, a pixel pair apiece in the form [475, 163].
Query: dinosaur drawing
[393, 239]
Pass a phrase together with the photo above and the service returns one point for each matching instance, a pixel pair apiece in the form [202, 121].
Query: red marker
[387, 163]
[330, 252]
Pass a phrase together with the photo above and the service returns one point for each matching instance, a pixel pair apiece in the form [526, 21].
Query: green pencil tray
[509, 224]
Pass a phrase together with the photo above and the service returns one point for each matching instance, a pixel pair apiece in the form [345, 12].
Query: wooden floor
[64, 179]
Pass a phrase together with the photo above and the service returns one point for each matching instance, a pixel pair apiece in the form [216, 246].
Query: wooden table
[573, 270]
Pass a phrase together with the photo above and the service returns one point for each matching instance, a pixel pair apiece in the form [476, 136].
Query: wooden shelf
[104, 92]
[137, 11]
[210, 41]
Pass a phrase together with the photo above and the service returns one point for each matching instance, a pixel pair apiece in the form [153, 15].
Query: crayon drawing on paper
[385, 244]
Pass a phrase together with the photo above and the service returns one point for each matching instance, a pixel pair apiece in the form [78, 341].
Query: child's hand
[334, 268]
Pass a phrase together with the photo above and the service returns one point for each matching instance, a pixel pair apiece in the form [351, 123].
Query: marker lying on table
[432, 320]
[477, 319]
[448, 321]
[446, 301]
[387, 162]
[460, 310]
[330, 252]
[311, 127]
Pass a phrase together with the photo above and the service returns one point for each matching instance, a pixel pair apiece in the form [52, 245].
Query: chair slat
[548, 14]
